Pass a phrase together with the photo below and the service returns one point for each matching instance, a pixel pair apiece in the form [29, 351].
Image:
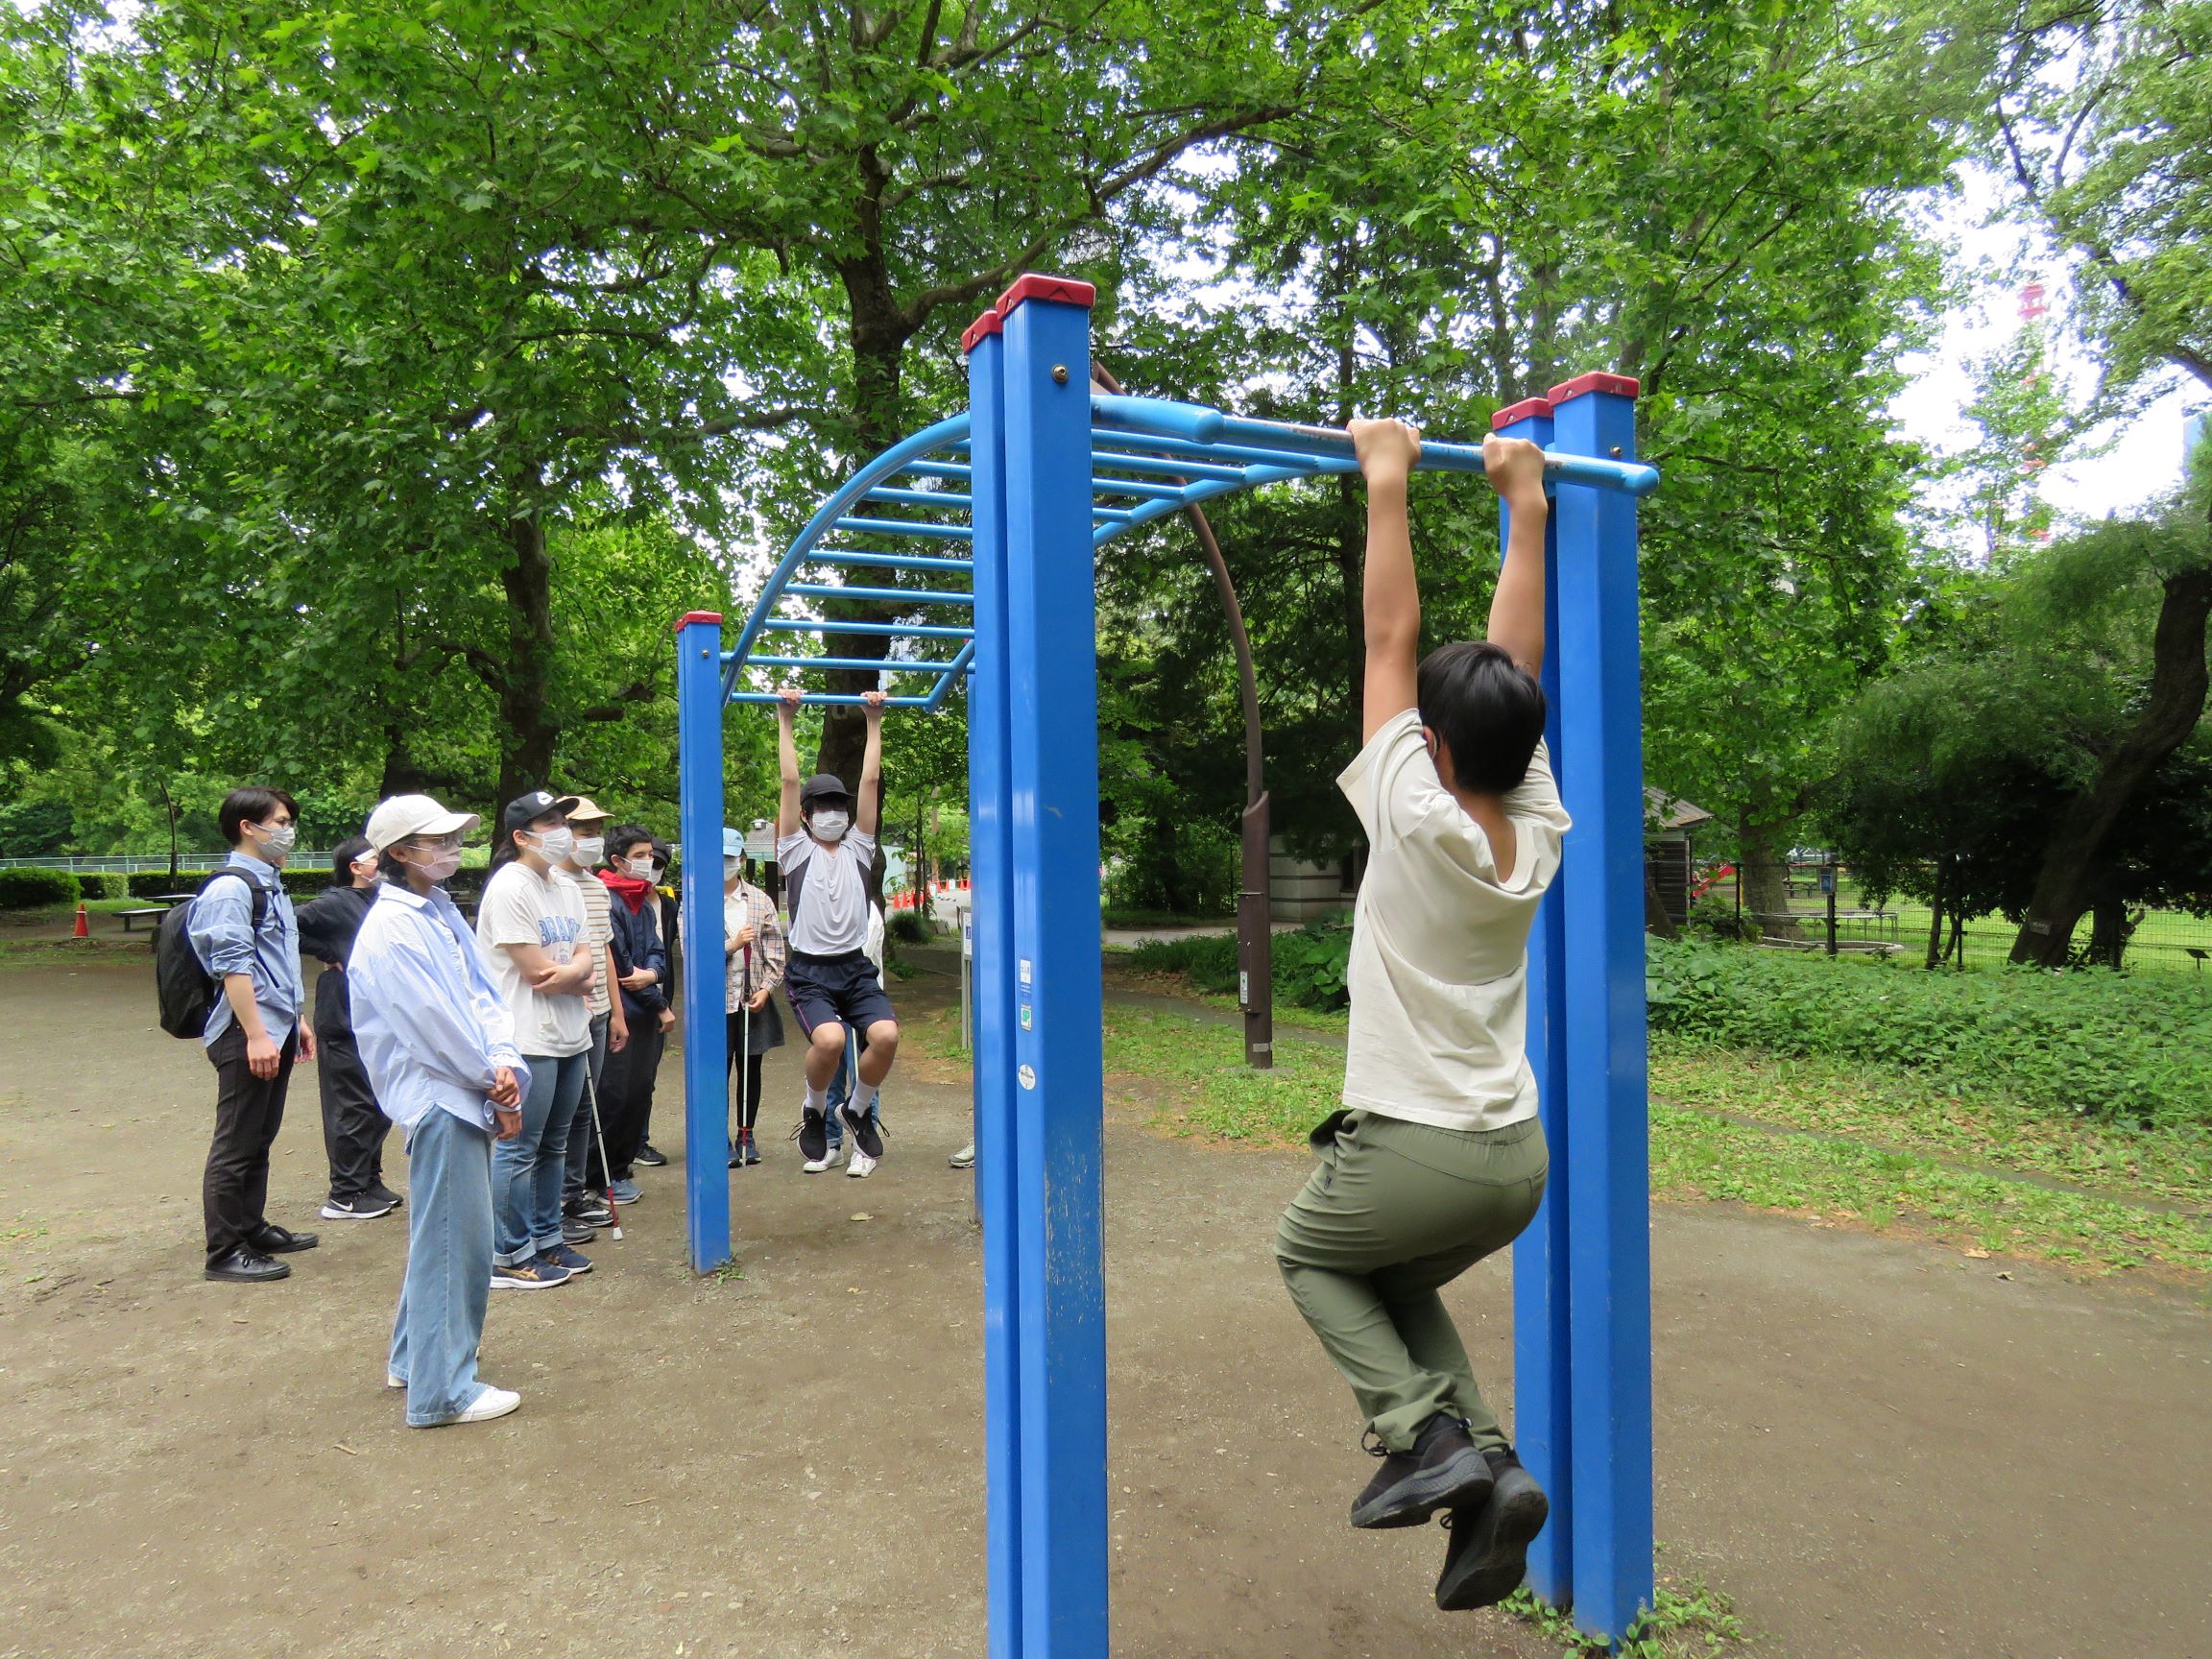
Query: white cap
[405, 815]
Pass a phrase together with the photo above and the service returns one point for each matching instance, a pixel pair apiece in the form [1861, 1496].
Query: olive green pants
[1396, 1212]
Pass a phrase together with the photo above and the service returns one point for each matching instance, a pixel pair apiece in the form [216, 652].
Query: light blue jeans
[841, 1090]
[528, 1171]
[448, 1279]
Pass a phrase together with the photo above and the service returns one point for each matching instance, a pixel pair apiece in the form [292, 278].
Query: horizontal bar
[831, 698]
[957, 470]
[1157, 464]
[887, 560]
[1135, 487]
[861, 664]
[901, 527]
[905, 597]
[1196, 424]
[919, 497]
[894, 629]
[1121, 513]
[1244, 455]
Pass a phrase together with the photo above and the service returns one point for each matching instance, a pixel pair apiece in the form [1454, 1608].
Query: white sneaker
[828, 1161]
[964, 1158]
[393, 1380]
[490, 1403]
[861, 1164]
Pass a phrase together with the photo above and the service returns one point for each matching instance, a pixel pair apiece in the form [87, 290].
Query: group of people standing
[517, 1056]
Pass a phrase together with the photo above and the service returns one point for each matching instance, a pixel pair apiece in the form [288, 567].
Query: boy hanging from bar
[1437, 1158]
[825, 844]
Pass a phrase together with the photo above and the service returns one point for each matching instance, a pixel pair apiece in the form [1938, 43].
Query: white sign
[966, 932]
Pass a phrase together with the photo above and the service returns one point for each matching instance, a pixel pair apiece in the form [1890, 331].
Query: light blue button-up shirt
[429, 1023]
[221, 926]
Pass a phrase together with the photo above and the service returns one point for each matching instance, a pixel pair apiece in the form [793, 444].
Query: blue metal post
[1542, 1420]
[1602, 895]
[990, 869]
[1052, 731]
[706, 1038]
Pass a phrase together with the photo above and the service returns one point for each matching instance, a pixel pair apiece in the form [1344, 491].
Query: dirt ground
[1878, 1448]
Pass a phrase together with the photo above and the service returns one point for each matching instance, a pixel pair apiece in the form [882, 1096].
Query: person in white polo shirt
[439, 1048]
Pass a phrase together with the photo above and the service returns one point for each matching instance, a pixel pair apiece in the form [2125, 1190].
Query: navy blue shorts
[843, 989]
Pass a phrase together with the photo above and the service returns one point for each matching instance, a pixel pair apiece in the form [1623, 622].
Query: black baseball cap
[822, 786]
[525, 811]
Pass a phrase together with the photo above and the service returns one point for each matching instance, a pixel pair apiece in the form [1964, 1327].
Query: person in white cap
[439, 1048]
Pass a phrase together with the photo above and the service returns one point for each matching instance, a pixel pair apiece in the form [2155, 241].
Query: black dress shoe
[247, 1265]
[274, 1240]
[652, 1157]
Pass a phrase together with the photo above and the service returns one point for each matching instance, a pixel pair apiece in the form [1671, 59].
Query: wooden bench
[130, 915]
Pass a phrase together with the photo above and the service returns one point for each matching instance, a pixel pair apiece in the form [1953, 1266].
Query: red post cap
[1065, 289]
[1621, 385]
[1527, 409]
[989, 322]
[690, 616]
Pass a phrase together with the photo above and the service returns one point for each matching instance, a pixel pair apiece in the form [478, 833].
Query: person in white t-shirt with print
[532, 927]
[824, 843]
[1437, 1158]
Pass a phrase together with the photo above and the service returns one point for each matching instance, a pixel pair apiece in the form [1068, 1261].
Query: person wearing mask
[583, 1208]
[665, 891]
[531, 926]
[353, 1125]
[438, 1050]
[752, 942]
[244, 931]
[641, 976]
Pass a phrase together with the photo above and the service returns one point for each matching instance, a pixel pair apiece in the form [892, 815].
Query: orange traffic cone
[83, 923]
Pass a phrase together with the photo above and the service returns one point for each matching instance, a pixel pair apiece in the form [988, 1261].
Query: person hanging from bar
[824, 843]
[1436, 1157]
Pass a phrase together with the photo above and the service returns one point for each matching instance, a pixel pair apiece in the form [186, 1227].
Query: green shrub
[2127, 1048]
[36, 889]
[1208, 959]
[909, 928]
[1309, 965]
[99, 884]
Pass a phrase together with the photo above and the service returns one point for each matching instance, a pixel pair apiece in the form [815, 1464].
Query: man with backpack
[245, 941]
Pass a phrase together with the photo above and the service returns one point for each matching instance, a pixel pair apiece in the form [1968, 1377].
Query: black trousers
[248, 1110]
[583, 1138]
[745, 1068]
[626, 1093]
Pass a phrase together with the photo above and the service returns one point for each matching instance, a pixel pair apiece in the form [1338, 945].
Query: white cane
[745, 1100]
[613, 1215]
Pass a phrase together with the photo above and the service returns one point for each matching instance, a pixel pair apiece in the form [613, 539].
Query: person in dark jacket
[354, 1125]
[642, 962]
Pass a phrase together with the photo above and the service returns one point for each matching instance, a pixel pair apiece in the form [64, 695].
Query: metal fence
[132, 863]
[1828, 909]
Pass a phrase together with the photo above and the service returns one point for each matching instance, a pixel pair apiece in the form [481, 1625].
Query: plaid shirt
[743, 903]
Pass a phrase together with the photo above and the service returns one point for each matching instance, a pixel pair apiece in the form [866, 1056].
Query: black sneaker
[576, 1232]
[247, 1265]
[588, 1209]
[862, 1129]
[1488, 1555]
[363, 1208]
[651, 1157]
[384, 1195]
[1442, 1471]
[813, 1136]
[270, 1239]
[752, 1150]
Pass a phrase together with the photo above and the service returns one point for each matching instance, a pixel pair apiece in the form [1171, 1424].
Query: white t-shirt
[522, 907]
[831, 915]
[1439, 971]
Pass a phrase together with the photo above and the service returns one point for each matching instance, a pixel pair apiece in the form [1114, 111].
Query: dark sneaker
[588, 1209]
[625, 1191]
[535, 1274]
[561, 1256]
[1488, 1555]
[384, 1195]
[862, 1128]
[1442, 1471]
[813, 1138]
[752, 1150]
[576, 1232]
[365, 1208]
[245, 1265]
[274, 1240]
[652, 1157]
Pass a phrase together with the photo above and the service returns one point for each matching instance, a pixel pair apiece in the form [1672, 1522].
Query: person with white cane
[752, 945]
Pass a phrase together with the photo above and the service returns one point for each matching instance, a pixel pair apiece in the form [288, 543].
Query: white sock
[866, 1102]
[817, 1101]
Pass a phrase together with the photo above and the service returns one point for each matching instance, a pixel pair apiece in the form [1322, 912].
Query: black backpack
[187, 990]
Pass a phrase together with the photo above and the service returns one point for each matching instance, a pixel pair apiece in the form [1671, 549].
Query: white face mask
[641, 868]
[438, 866]
[831, 826]
[278, 843]
[365, 867]
[554, 845]
[589, 851]
[731, 866]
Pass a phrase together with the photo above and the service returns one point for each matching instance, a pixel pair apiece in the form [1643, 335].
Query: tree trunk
[528, 733]
[2064, 884]
[1763, 876]
[1935, 919]
[1655, 917]
[2109, 932]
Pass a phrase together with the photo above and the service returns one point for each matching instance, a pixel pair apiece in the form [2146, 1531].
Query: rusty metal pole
[1255, 938]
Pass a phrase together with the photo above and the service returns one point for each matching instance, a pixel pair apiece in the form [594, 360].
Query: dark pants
[583, 1138]
[626, 1093]
[248, 1110]
[746, 1069]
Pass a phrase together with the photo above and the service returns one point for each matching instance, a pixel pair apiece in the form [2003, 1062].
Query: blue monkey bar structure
[980, 531]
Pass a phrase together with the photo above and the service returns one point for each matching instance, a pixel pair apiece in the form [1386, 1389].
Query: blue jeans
[448, 1279]
[581, 1134]
[841, 1090]
[528, 1171]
